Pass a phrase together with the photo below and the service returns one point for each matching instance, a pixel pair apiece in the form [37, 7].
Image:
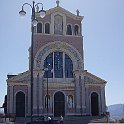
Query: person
[61, 120]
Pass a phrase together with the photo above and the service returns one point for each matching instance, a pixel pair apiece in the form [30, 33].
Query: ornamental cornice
[18, 84]
[56, 85]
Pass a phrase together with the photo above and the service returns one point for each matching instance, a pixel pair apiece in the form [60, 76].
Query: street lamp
[47, 92]
[33, 23]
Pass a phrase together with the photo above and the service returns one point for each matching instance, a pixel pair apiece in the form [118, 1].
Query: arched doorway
[94, 104]
[20, 104]
[59, 104]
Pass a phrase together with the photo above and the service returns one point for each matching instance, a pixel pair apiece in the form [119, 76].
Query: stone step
[71, 120]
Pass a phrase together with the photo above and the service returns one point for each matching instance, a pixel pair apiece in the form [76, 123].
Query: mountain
[116, 110]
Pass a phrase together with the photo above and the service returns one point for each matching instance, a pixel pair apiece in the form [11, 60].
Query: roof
[22, 77]
[63, 11]
[90, 78]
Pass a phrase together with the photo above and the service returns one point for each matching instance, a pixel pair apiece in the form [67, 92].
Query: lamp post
[33, 23]
[47, 94]
[47, 90]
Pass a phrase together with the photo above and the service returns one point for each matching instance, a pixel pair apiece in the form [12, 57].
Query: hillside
[116, 110]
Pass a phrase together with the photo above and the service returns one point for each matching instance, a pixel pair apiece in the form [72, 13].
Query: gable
[21, 78]
[93, 79]
[62, 11]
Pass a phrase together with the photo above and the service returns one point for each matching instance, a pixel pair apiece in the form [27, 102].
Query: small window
[48, 63]
[47, 28]
[39, 28]
[68, 67]
[76, 30]
[69, 30]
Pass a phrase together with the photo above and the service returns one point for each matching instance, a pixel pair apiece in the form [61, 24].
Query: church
[61, 85]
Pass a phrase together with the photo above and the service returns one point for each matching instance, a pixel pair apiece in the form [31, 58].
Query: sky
[103, 31]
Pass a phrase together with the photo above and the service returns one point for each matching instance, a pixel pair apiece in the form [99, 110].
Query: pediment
[64, 11]
[20, 78]
[93, 79]
[89, 78]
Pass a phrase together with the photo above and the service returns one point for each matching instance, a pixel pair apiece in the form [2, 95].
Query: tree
[5, 104]
[122, 120]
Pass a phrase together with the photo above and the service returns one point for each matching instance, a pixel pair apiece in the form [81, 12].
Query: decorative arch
[39, 27]
[47, 28]
[59, 104]
[58, 46]
[20, 104]
[76, 29]
[69, 29]
[94, 103]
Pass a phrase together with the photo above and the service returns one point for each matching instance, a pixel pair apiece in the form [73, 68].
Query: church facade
[68, 87]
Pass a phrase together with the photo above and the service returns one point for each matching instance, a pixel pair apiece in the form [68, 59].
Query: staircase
[20, 120]
[72, 120]
[98, 119]
[77, 120]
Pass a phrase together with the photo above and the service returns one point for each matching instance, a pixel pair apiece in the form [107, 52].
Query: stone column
[8, 98]
[41, 92]
[29, 99]
[83, 96]
[77, 95]
[35, 93]
[87, 100]
[103, 109]
[38, 92]
[11, 99]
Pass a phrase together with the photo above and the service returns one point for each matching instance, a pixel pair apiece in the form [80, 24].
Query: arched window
[60, 64]
[76, 30]
[48, 63]
[47, 28]
[39, 28]
[69, 30]
[68, 67]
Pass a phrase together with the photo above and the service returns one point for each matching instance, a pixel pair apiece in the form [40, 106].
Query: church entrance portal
[94, 104]
[20, 104]
[59, 104]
